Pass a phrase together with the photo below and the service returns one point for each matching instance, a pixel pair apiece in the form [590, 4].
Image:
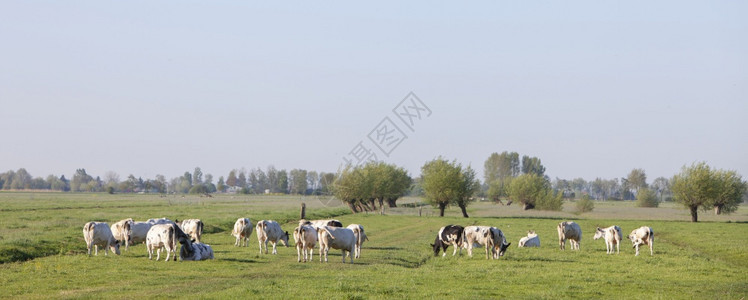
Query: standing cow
[121, 231]
[242, 231]
[448, 235]
[358, 231]
[336, 238]
[642, 235]
[165, 236]
[531, 240]
[270, 231]
[99, 234]
[305, 237]
[192, 227]
[489, 237]
[569, 230]
[612, 236]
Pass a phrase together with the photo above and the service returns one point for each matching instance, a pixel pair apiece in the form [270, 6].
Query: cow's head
[503, 247]
[437, 245]
[598, 233]
[284, 239]
[115, 247]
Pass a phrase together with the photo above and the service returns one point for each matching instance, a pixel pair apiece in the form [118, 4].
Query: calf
[99, 234]
[336, 238]
[195, 251]
[489, 237]
[305, 237]
[242, 231]
[358, 231]
[569, 230]
[121, 231]
[613, 237]
[642, 235]
[531, 240]
[448, 235]
[270, 231]
[165, 236]
[192, 227]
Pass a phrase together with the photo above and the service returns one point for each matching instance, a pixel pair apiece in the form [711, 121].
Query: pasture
[43, 253]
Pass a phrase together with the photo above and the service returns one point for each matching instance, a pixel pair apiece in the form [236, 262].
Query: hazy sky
[592, 88]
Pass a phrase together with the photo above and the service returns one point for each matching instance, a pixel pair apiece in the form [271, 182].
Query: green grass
[692, 260]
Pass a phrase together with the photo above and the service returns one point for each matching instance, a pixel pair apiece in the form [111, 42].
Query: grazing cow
[305, 237]
[139, 232]
[531, 240]
[569, 230]
[613, 237]
[192, 227]
[489, 237]
[448, 235]
[121, 231]
[320, 223]
[165, 236]
[270, 231]
[336, 238]
[358, 231]
[195, 251]
[242, 231]
[99, 234]
[642, 235]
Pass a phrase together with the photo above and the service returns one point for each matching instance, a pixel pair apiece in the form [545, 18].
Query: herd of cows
[164, 234]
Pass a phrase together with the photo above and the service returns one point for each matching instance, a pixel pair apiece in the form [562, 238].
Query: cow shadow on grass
[382, 248]
[541, 259]
[241, 260]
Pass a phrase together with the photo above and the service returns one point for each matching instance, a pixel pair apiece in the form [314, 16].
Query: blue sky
[594, 89]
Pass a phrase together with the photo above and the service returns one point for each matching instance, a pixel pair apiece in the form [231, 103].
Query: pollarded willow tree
[700, 186]
[446, 183]
[361, 187]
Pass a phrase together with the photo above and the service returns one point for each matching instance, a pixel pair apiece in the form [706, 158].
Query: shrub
[585, 204]
[647, 198]
[550, 201]
[199, 189]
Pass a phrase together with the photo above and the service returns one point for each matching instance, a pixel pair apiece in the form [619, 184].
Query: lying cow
[489, 237]
[448, 235]
[192, 227]
[121, 231]
[99, 234]
[336, 238]
[195, 251]
[242, 231]
[531, 240]
[320, 223]
[358, 231]
[569, 230]
[642, 235]
[612, 236]
[160, 221]
[165, 236]
[270, 231]
[305, 237]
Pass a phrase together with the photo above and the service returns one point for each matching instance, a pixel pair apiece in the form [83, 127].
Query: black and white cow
[448, 235]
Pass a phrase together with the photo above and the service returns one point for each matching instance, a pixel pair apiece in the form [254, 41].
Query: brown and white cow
[242, 231]
[192, 227]
[489, 237]
[305, 237]
[531, 240]
[270, 231]
[99, 234]
[612, 236]
[121, 231]
[165, 236]
[569, 230]
[360, 234]
[642, 235]
[336, 238]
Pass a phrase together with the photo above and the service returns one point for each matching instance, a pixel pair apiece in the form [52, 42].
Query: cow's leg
[158, 253]
[168, 253]
[96, 250]
[637, 249]
[311, 252]
[651, 247]
[260, 241]
[274, 251]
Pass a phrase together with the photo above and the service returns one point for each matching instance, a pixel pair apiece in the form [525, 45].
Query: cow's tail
[358, 233]
[172, 233]
[651, 234]
[200, 228]
[88, 229]
[328, 231]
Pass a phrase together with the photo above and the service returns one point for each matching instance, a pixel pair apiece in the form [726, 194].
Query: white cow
[358, 231]
[320, 223]
[99, 234]
[569, 230]
[489, 237]
[160, 221]
[336, 238]
[195, 251]
[642, 235]
[165, 236]
[139, 232]
[121, 231]
[612, 236]
[242, 231]
[531, 240]
[192, 227]
[305, 237]
[270, 231]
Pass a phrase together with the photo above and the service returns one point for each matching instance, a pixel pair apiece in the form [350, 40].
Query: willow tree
[694, 187]
[446, 183]
[528, 189]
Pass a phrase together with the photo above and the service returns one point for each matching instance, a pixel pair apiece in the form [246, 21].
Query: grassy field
[702, 260]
